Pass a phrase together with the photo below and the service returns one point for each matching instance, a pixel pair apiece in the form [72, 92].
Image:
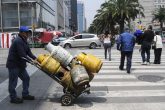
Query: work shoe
[16, 100]
[128, 71]
[120, 68]
[28, 97]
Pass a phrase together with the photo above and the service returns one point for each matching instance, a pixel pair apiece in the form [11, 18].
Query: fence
[6, 39]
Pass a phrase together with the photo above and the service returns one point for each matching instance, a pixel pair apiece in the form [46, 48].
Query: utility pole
[33, 25]
[1, 15]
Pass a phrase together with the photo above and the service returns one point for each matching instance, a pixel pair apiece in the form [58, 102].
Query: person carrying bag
[158, 45]
[154, 43]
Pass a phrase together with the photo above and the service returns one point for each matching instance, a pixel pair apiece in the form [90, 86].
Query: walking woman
[158, 48]
[107, 44]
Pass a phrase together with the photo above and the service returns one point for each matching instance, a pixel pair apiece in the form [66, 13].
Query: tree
[118, 12]
[126, 10]
[159, 14]
[103, 20]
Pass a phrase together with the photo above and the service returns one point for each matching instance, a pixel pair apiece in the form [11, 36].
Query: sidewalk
[4, 54]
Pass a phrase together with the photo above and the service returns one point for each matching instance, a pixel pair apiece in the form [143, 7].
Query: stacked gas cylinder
[72, 71]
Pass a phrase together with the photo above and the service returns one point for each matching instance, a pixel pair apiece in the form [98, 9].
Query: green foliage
[114, 12]
[159, 14]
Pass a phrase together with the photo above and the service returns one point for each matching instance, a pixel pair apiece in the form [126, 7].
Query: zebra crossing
[111, 88]
[117, 90]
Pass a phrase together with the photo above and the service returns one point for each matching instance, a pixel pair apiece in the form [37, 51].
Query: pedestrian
[147, 40]
[16, 64]
[107, 44]
[125, 44]
[158, 48]
[138, 34]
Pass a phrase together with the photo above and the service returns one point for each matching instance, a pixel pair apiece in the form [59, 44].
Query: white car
[82, 40]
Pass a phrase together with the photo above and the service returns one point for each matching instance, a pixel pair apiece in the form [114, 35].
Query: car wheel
[93, 45]
[67, 46]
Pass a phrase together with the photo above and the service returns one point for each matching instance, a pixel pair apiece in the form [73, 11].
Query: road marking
[114, 77]
[132, 72]
[138, 67]
[125, 84]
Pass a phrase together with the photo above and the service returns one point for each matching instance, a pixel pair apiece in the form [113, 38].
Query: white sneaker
[144, 63]
[148, 63]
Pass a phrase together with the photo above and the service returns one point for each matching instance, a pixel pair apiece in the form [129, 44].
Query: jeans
[147, 51]
[127, 54]
[14, 73]
[107, 47]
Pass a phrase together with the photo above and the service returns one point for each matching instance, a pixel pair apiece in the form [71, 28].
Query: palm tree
[119, 12]
[126, 10]
[159, 15]
[103, 19]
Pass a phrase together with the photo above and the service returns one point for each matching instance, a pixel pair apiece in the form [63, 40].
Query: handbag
[154, 44]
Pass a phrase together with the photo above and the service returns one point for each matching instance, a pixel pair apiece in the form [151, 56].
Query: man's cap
[24, 29]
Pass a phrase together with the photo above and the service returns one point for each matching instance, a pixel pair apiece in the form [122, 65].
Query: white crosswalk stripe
[116, 83]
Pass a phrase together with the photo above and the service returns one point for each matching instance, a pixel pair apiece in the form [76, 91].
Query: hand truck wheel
[66, 100]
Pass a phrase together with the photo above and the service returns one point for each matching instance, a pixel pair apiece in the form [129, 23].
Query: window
[87, 36]
[25, 14]
[78, 37]
[10, 14]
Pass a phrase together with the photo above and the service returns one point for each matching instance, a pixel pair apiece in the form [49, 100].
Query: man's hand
[35, 62]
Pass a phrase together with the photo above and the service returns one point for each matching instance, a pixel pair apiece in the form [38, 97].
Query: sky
[91, 6]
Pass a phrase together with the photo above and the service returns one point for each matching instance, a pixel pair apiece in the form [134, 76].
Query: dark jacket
[147, 39]
[19, 50]
[126, 42]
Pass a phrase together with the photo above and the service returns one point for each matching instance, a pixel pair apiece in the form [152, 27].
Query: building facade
[80, 16]
[66, 20]
[60, 14]
[72, 8]
[149, 7]
[32, 13]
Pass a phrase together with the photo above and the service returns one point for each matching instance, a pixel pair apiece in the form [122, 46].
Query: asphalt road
[111, 89]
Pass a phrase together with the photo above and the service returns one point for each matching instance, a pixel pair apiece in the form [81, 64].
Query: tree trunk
[161, 28]
[122, 25]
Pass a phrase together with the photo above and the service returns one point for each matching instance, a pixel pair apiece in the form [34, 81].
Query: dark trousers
[127, 54]
[107, 47]
[145, 51]
[14, 73]
[157, 53]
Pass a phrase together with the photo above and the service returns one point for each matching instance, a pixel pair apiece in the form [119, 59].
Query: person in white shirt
[107, 44]
[158, 49]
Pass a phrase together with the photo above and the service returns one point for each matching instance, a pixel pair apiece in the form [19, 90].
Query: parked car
[82, 40]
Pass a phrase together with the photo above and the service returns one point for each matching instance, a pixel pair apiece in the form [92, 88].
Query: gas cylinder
[60, 54]
[48, 64]
[66, 80]
[91, 63]
[79, 75]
